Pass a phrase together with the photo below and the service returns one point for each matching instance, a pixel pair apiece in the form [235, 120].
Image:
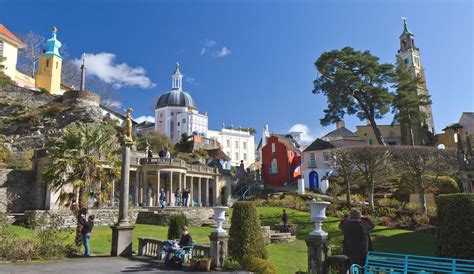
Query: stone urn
[318, 215]
[219, 216]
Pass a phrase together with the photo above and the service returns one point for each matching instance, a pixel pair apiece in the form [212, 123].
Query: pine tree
[408, 103]
[4, 79]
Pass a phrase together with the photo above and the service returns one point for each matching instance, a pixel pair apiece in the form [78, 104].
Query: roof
[290, 143]
[218, 154]
[338, 133]
[319, 144]
[145, 124]
[11, 37]
[470, 114]
[175, 97]
[405, 28]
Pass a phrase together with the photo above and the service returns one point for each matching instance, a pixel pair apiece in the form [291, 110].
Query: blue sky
[258, 62]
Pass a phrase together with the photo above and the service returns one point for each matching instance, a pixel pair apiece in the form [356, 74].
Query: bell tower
[49, 70]
[409, 55]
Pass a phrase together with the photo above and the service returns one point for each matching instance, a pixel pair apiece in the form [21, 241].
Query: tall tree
[342, 163]
[354, 82]
[418, 162]
[407, 103]
[84, 162]
[28, 56]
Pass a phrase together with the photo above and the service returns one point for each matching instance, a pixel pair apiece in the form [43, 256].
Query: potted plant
[194, 263]
[204, 264]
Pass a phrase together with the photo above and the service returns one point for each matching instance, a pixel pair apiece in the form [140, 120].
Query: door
[313, 180]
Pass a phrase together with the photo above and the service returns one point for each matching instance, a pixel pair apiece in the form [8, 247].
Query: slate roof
[338, 133]
[319, 144]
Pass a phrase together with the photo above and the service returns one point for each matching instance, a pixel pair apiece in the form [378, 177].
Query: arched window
[171, 130]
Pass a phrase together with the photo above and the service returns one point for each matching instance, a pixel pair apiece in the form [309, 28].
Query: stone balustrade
[150, 247]
[177, 163]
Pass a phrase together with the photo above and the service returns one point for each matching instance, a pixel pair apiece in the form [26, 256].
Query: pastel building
[176, 112]
[316, 163]
[238, 144]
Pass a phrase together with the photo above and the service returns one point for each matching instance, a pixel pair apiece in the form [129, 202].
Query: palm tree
[84, 162]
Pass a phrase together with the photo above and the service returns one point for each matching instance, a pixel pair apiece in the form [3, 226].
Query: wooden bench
[378, 262]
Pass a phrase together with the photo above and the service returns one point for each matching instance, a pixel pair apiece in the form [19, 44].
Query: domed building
[176, 112]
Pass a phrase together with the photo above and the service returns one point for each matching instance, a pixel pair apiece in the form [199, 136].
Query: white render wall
[322, 167]
[193, 122]
[238, 145]
[11, 53]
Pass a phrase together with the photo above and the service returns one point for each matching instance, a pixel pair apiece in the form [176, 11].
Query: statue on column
[128, 125]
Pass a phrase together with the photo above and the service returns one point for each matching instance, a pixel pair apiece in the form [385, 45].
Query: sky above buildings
[250, 63]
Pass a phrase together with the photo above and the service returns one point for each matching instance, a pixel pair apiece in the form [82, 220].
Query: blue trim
[313, 180]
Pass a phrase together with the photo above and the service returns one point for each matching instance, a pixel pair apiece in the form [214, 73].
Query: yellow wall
[49, 74]
[11, 53]
[389, 133]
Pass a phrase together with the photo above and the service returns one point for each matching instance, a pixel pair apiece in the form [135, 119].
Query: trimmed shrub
[441, 185]
[455, 237]
[245, 236]
[258, 265]
[177, 221]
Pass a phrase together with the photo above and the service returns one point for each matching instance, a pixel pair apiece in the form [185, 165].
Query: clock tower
[409, 55]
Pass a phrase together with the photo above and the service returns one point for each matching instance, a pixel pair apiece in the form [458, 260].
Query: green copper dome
[176, 98]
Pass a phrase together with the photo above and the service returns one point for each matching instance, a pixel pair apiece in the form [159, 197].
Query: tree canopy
[354, 82]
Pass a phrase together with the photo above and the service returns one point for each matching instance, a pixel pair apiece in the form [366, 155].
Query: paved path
[92, 265]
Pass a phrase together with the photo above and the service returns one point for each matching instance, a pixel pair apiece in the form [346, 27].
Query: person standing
[284, 219]
[185, 197]
[162, 198]
[177, 197]
[356, 237]
[86, 232]
[167, 153]
[150, 155]
[162, 153]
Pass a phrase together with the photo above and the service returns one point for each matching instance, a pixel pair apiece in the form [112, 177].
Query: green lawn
[288, 257]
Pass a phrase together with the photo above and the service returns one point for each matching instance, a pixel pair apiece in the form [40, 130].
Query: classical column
[158, 187]
[199, 191]
[170, 191]
[137, 189]
[180, 185]
[207, 192]
[140, 189]
[145, 189]
[122, 230]
[228, 190]
[191, 192]
[318, 249]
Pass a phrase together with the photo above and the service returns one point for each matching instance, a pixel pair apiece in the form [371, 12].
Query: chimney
[340, 124]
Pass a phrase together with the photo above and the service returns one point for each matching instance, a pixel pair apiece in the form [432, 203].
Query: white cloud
[145, 118]
[222, 53]
[206, 45]
[111, 103]
[307, 135]
[103, 66]
[189, 79]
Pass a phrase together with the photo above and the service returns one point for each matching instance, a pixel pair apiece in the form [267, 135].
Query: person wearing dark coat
[185, 197]
[356, 237]
[284, 219]
[86, 232]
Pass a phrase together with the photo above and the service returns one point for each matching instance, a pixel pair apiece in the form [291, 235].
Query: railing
[178, 163]
[150, 247]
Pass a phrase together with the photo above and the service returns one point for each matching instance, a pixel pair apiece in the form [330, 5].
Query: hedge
[177, 221]
[245, 235]
[455, 236]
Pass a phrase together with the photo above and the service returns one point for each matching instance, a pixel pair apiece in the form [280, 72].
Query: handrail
[176, 162]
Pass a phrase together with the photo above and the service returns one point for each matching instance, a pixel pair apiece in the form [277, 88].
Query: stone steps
[281, 237]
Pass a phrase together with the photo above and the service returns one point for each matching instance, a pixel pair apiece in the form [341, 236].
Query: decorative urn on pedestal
[219, 216]
[318, 215]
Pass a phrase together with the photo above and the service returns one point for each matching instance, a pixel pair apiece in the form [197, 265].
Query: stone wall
[16, 185]
[103, 216]
[197, 216]
[29, 98]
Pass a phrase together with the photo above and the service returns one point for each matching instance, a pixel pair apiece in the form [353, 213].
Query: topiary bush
[441, 185]
[455, 237]
[177, 221]
[257, 265]
[245, 236]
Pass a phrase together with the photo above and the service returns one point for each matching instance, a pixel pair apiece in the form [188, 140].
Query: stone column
[145, 189]
[191, 192]
[207, 192]
[171, 200]
[218, 249]
[137, 189]
[158, 187]
[180, 185]
[199, 191]
[318, 250]
[228, 190]
[122, 231]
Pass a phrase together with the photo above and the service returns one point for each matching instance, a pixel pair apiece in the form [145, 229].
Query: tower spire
[83, 73]
[177, 79]
[405, 27]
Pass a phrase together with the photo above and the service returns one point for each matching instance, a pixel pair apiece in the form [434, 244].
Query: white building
[316, 163]
[238, 144]
[176, 112]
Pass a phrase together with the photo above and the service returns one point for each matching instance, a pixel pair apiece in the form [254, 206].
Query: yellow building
[9, 46]
[49, 70]
[390, 133]
[465, 127]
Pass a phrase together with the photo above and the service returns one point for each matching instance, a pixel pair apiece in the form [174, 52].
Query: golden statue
[128, 126]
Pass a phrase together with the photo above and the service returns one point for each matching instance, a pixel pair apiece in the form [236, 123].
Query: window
[47, 63]
[171, 130]
[312, 160]
[326, 157]
[236, 144]
[1, 48]
[161, 114]
[274, 167]
[183, 121]
[245, 145]
[172, 113]
[236, 156]
[245, 156]
[417, 61]
[273, 147]
[57, 65]
[406, 61]
[228, 143]
[370, 141]
[178, 124]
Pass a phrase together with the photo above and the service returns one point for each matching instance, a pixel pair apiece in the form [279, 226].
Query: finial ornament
[55, 29]
[177, 65]
[128, 125]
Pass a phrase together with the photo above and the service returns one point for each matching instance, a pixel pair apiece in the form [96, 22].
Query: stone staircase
[281, 237]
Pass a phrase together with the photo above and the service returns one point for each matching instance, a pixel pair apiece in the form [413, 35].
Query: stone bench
[150, 247]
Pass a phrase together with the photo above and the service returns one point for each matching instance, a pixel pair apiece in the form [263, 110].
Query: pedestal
[122, 240]
[218, 249]
[301, 186]
[318, 250]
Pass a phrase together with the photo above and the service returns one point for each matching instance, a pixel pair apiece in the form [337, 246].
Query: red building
[281, 161]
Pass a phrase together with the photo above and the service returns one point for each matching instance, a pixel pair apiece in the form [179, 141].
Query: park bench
[378, 262]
